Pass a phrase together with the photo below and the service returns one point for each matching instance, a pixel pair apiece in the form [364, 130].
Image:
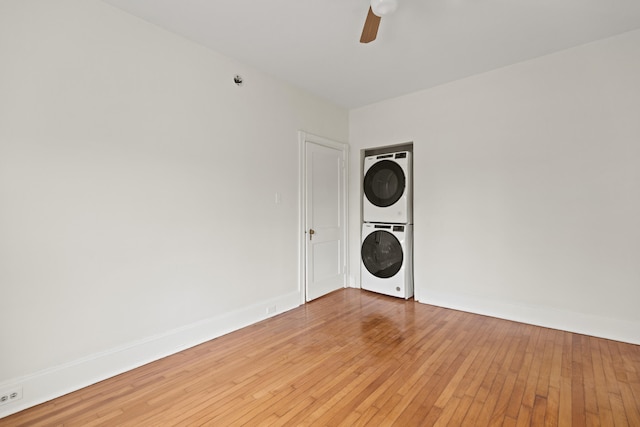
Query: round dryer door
[382, 254]
[384, 183]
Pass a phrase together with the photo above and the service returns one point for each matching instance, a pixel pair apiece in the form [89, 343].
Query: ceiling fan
[377, 9]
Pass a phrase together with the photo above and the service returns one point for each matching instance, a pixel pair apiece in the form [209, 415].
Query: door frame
[303, 139]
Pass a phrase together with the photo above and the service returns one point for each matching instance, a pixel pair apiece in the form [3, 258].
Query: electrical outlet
[271, 310]
[10, 395]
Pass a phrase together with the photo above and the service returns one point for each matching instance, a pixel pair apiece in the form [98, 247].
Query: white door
[325, 217]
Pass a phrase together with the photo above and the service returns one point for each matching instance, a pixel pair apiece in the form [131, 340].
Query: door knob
[311, 233]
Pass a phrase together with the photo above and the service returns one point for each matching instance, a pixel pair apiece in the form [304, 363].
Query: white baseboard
[54, 382]
[597, 326]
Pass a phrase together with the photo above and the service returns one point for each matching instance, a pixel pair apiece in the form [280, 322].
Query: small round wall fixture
[237, 79]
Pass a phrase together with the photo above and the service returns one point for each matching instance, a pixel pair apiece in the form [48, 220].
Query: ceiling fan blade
[370, 30]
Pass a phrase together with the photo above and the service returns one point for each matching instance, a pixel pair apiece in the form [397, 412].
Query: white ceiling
[314, 44]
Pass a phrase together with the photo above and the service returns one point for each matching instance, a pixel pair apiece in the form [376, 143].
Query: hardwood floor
[356, 358]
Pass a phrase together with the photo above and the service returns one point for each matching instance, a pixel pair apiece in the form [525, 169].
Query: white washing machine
[387, 259]
[388, 188]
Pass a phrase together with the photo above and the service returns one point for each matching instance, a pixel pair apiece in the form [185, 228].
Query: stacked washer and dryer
[387, 229]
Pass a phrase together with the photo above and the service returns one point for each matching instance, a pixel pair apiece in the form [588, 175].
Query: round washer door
[384, 183]
[382, 254]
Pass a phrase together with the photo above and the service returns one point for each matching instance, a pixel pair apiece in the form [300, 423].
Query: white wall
[137, 193]
[527, 188]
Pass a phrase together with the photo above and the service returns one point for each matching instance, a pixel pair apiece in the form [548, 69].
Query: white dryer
[388, 188]
[387, 259]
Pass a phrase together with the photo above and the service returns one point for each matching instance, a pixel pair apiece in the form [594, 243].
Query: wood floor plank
[539, 411]
[535, 371]
[461, 411]
[447, 412]
[600, 384]
[578, 409]
[588, 379]
[524, 417]
[542, 387]
[522, 366]
[500, 377]
[355, 358]
[617, 408]
[499, 413]
[552, 409]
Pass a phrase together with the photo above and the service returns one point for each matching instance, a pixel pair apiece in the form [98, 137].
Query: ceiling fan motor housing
[384, 7]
